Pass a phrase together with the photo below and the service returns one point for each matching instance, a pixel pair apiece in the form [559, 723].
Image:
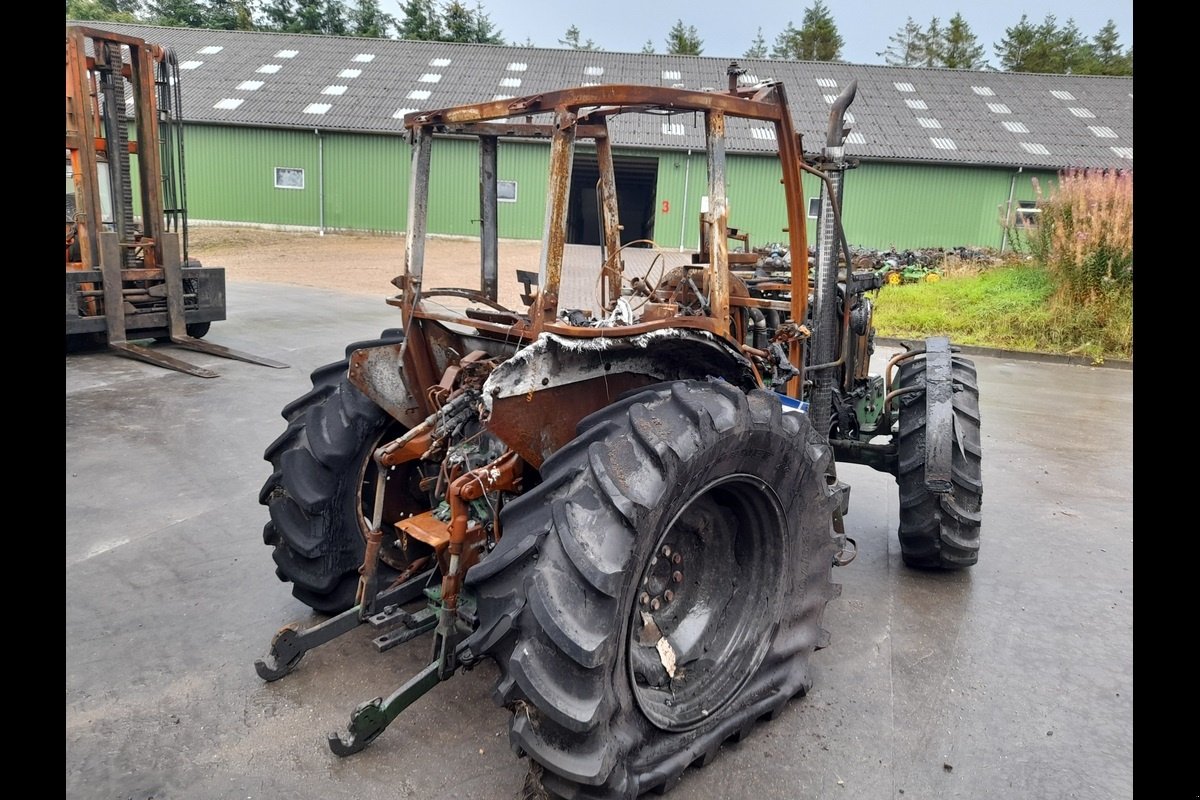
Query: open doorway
[637, 183]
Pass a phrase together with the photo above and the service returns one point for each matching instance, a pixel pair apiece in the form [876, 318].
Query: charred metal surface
[418, 210]
[718, 223]
[537, 424]
[466, 538]
[611, 221]
[520, 130]
[562, 154]
[378, 373]
[537, 397]
[939, 414]
[758, 102]
[488, 226]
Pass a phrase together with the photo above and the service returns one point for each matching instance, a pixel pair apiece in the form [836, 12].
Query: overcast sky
[728, 28]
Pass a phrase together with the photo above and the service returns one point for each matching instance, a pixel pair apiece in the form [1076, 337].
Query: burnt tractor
[632, 508]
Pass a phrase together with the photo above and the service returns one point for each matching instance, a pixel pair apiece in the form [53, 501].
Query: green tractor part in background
[895, 274]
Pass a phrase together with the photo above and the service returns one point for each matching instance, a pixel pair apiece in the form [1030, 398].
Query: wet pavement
[1009, 680]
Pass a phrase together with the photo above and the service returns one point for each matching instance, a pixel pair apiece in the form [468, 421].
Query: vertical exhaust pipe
[826, 322]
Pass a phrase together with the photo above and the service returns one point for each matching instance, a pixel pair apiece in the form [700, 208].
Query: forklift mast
[129, 278]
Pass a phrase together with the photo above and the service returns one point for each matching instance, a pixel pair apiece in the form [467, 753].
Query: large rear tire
[320, 466]
[661, 589]
[940, 531]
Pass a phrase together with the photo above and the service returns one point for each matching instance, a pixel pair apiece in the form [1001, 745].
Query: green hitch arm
[372, 717]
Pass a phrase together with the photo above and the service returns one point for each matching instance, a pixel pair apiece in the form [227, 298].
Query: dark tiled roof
[900, 113]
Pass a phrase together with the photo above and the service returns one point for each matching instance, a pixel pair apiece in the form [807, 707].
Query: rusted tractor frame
[123, 281]
[541, 384]
[490, 401]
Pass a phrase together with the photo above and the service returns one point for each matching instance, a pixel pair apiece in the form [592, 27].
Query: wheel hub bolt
[677, 576]
[666, 551]
[677, 558]
[645, 598]
[668, 595]
[654, 604]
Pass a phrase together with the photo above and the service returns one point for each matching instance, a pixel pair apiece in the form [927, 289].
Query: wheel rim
[933, 277]
[365, 493]
[711, 591]
[893, 278]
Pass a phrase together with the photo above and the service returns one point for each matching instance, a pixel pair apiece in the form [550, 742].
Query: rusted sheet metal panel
[488, 225]
[791, 156]
[612, 224]
[562, 155]
[536, 425]
[718, 223]
[418, 205]
[559, 377]
[377, 372]
[608, 99]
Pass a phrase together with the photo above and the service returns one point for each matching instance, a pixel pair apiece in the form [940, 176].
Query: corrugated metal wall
[454, 189]
[753, 189]
[910, 205]
[366, 182]
[231, 177]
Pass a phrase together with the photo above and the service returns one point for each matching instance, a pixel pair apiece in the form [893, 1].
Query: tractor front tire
[662, 589]
[316, 492]
[939, 530]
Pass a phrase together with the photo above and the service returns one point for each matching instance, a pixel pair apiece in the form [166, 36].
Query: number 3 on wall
[666, 206]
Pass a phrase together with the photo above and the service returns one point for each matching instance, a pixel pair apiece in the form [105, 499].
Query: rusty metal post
[81, 139]
[415, 355]
[611, 220]
[418, 208]
[172, 267]
[717, 222]
[562, 155]
[116, 138]
[114, 301]
[792, 158]
[489, 258]
[149, 153]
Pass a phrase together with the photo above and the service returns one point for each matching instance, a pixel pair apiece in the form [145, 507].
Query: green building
[306, 131]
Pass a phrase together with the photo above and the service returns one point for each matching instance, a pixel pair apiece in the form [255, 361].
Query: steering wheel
[642, 286]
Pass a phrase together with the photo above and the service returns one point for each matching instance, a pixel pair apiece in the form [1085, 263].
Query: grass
[1011, 307]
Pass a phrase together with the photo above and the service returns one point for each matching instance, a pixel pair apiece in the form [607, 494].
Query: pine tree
[933, 44]
[485, 30]
[819, 39]
[961, 49]
[1013, 51]
[177, 13]
[230, 15]
[648, 47]
[280, 15]
[787, 43]
[1046, 53]
[333, 18]
[1075, 48]
[462, 24]
[905, 48]
[367, 18]
[420, 21]
[571, 40]
[1107, 58]
[758, 47]
[684, 40]
[104, 10]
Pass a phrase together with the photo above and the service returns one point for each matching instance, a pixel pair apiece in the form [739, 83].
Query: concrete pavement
[1010, 680]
